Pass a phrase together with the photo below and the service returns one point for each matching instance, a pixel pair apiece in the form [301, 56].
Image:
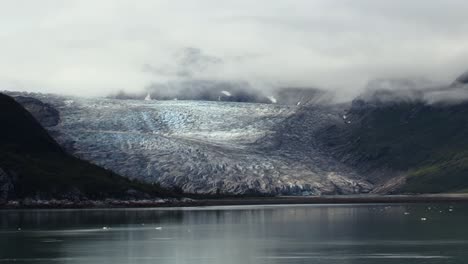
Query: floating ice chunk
[272, 99]
[105, 228]
[450, 210]
[344, 117]
[226, 93]
[407, 213]
[158, 228]
[423, 219]
[299, 103]
[19, 228]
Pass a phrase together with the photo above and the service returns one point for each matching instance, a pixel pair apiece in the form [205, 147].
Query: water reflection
[261, 234]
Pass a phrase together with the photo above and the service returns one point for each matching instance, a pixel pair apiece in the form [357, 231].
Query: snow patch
[272, 99]
[226, 93]
[148, 97]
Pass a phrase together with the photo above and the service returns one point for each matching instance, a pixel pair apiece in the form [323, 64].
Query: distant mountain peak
[463, 79]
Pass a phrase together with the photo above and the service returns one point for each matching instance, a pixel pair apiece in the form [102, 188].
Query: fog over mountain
[416, 90]
[102, 47]
[270, 97]
[398, 136]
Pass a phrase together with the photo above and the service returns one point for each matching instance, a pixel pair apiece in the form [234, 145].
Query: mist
[96, 48]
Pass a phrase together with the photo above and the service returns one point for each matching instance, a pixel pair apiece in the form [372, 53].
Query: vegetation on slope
[39, 166]
[427, 142]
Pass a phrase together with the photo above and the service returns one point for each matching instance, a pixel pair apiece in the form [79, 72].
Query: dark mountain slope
[397, 139]
[33, 164]
[463, 79]
[426, 143]
[47, 115]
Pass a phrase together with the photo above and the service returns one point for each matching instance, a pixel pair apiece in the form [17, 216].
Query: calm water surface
[242, 234]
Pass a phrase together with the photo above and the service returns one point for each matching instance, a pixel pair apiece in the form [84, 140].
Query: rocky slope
[393, 139]
[199, 146]
[44, 113]
[405, 146]
[401, 140]
[33, 164]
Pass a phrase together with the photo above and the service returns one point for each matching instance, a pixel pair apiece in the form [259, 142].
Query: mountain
[399, 136]
[224, 91]
[33, 164]
[425, 144]
[199, 146]
[45, 113]
[408, 144]
[199, 90]
[462, 79]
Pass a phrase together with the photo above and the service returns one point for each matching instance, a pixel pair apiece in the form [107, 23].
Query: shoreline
[281, 200]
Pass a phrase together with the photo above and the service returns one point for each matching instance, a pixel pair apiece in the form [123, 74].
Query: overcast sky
[94, 47]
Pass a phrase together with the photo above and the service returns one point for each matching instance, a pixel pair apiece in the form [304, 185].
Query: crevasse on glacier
[202, 147]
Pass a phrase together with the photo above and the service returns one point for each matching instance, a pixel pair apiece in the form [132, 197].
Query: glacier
[201, 146]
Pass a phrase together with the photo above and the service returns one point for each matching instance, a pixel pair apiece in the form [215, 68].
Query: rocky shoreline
[188, 202]
[107, 203]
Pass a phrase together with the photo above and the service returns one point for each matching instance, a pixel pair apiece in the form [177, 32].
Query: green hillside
[427, 142]
[37, 165]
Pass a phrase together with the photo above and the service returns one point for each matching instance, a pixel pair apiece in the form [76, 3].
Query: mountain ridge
[199, 146]
[33, 164]
[384, 141]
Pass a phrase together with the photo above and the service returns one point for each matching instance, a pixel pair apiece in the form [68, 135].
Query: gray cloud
[96, 47]
[187, 63]
[416, 90]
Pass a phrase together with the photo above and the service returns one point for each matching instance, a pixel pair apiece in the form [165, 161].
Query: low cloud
[416, 90]
[86, 47]
[187, 63]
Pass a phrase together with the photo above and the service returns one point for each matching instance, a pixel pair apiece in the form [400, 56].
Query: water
[243, 234]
